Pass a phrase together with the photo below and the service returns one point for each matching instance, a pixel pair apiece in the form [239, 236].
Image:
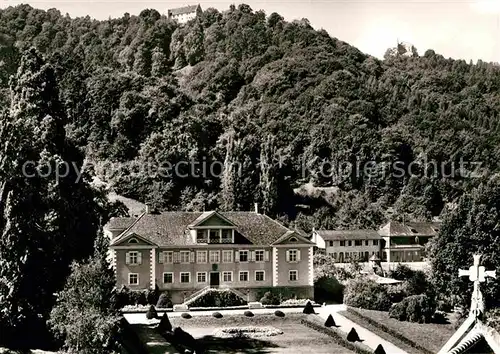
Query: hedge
[337, 338]
[388, 330]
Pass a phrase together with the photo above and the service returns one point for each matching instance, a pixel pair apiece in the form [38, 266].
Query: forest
[278, 99]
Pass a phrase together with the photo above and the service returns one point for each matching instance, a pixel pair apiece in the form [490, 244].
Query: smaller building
[405, 242]
[348, 245]
[184, 14]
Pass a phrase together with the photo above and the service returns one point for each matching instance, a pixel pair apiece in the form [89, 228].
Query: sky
[460, 29]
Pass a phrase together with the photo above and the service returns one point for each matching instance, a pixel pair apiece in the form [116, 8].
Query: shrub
[152, 296]
[165, 325]
[151, 313]
[248, 313]
[327, 289]
[367, 294]
[279, 313]
[415, 308]
[397, 292]
[217, 298]
[217, 315]
[401, 272]
[186, 315]
[379, 350]
[308, 309]
[164, 301]
[270, 298]
[330, 322]
[353, 336]
[184, 338]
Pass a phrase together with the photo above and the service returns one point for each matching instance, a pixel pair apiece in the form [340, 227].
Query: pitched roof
[121, 223]
[395, 228]
[172, 228]
[331, 235]
[183, 10]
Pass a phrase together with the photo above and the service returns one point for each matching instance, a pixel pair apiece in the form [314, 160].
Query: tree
[471, 228]
[49, 214]
[85, 315]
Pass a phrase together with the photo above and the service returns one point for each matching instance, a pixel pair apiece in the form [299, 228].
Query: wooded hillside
[274, 97]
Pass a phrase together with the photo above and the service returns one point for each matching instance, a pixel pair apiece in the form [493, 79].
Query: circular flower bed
[251, 332]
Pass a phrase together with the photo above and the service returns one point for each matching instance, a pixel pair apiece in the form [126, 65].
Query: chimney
[147, 209]
[256, 207]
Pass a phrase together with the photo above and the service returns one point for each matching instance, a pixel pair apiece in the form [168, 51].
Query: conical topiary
[379, 349]
[165, 325]
[308, 309]
[330, 322]
[353, 336]
[151, 313]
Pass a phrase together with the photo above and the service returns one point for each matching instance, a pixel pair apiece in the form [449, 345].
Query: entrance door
[214, 278]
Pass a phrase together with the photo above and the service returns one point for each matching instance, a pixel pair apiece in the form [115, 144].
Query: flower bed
[142, 308]
[251, 332]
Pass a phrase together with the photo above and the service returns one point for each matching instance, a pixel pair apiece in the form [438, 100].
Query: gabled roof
[292, 234]
[172, 228]
[207, 215]
[125, 237]
[395, 228]
[336, 235]
[121, 223]
[183, 10]
[479, 339]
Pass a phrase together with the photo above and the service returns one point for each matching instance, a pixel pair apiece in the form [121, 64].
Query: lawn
[296, 338]
[430, 336]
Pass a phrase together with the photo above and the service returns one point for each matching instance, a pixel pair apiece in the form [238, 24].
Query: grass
[296, 338]
[414, 338]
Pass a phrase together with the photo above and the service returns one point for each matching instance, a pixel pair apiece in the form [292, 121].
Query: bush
[330, 322]
[186, 315]
[217, 315]
[279, 313]
[248, 313]
[308, 309]
[270, 298]
[151, 313]
[402, 272]
[364, 293]
[165, 325]
[398, 292]
[152, 296]
[415, 308]
[328, 289]
[164, 301]
[217, 298]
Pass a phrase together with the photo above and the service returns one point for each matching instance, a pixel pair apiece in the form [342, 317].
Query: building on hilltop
[184, 14]
[393, 242]
[184, 252]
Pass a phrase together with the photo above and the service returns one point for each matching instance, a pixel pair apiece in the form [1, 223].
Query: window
[214, 236]
[168, 278]
[366, 243]
[227, 236]
[185, 256]
[244, 276]
[214, 257]
[293, 239]
[259, 256]
[227, 276]
[293, 275]
[227, 256]
[185, 277]
[259, 275]
[342, 243]
[133, 258]
[413, 230]
[375, 242]
[201, 236]
[201, 256]
[349, 243]
[357, 243]
[243, 256]
[133, 279]
[293, 256]
[168, 257]
[201, 277]
[133, 240]
[331, 243]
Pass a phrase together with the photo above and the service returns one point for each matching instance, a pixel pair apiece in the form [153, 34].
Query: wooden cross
[477, 274]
